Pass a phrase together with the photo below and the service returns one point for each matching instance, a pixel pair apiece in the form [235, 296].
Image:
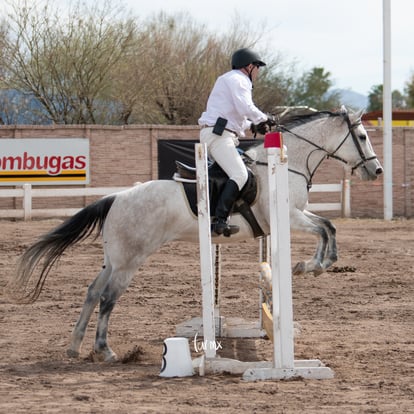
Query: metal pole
[387, 111]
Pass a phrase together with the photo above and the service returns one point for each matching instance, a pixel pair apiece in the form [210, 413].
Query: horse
[136, 222]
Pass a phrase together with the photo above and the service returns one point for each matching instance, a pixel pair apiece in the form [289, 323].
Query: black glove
[263, 127]
[271, 121]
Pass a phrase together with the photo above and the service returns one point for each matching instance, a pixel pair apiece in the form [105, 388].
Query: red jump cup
[273, 140]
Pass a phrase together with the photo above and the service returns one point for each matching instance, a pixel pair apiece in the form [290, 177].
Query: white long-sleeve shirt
[231, 99]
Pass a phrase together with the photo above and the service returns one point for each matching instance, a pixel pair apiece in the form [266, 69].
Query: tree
[179, 56]
[375, 98]
[409, 92]
[94, 65]
[65, 62]
[398, 100]
[312, 90]
[184, 61]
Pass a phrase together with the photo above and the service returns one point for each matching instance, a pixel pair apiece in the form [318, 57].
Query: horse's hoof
[105, 356]
[318, 271]
[72, 354]
[111, 358]
[299, 268]
[100, 357]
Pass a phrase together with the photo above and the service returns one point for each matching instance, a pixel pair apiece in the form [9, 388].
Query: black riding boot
[225, 203]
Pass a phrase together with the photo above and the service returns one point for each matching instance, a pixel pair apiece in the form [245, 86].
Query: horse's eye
[363, 137]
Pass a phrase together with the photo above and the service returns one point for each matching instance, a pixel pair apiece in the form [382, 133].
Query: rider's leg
[225, 203]
[223, 150]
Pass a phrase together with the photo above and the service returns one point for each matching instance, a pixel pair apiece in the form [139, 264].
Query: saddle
[217, 179]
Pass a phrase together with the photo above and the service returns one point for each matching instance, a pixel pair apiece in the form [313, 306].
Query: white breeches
[222, 149]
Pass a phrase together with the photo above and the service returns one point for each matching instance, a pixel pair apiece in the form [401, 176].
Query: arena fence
[26, 194]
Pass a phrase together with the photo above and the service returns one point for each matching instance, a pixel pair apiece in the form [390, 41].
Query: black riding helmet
[244, 57]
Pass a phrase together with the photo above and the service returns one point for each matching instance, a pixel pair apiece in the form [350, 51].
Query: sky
[343, 37]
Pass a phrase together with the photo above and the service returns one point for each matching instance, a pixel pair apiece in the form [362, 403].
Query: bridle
[351, 128]
[351, 132]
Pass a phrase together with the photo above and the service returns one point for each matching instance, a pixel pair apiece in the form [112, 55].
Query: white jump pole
[280, 258]
[206, 261]
[284, 364]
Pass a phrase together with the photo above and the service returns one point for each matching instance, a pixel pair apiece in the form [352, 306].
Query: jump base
[263, 370]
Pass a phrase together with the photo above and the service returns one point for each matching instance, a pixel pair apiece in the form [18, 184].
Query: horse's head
[316, 135]
[356, 149]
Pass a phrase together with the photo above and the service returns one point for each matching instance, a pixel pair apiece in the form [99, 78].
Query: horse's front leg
[331, 253]
[301, 222]
[314, 265]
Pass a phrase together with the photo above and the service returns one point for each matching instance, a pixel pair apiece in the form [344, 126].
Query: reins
[309, 176]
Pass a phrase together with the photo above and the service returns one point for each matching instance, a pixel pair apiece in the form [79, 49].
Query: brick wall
[122, 155]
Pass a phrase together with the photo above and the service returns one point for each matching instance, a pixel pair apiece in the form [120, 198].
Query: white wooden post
[346, 198]
[280, 259]
[284, 365]
[206, 262]
[27, 202]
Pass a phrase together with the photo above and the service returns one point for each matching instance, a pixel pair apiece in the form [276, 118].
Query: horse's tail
[51, 246]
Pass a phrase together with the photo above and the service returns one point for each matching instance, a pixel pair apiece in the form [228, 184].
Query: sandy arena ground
[357, 318]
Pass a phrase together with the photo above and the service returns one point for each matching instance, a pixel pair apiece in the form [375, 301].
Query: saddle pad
[215, 185]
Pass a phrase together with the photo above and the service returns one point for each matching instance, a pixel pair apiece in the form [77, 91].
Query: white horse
[137, 222]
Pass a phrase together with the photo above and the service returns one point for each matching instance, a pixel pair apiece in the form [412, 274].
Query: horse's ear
[356, 116]
[343, 110]
[360, 113]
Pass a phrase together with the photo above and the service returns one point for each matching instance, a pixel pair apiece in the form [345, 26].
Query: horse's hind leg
[94, 293]
[115, 288]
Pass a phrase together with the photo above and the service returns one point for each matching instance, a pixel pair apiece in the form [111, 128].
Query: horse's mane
[292, 120]
[291, 117]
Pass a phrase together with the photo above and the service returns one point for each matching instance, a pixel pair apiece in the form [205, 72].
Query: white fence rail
[344, 205]
[27, 194]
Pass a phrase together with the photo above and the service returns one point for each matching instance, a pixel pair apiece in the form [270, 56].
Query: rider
[230, 111]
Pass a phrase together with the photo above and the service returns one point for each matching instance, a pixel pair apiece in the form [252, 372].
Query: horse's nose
[379, 171]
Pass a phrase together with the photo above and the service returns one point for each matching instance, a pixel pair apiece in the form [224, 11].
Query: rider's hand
[271, 120]
[261, 128]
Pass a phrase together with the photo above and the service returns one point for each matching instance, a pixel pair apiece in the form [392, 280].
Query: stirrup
[221, 227]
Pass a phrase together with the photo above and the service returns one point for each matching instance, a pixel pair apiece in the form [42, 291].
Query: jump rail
[27, 193]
